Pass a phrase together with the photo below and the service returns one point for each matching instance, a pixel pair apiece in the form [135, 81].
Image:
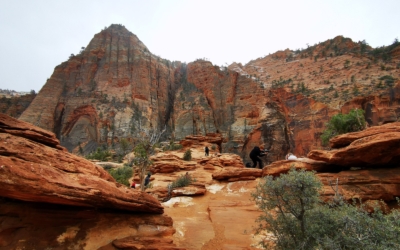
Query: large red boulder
[34, 167]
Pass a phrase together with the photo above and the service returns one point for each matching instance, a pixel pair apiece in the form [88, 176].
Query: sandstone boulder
[222, 160]
[37, 169]
[346, 139]
[169, 163]
[374, 150]
[237, 174]
[282, 167]
[161, 193]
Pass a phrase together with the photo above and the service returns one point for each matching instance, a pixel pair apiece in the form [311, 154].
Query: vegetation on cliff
[343, 123]
[121, 175]
[293, 212]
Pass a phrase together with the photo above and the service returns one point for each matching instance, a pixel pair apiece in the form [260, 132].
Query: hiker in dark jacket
[254, 154]
[206, 150]
[147, 179]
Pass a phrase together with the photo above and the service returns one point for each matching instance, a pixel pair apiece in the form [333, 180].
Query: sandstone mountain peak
[116, 88]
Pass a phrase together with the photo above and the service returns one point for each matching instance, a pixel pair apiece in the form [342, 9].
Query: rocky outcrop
[66, 227]
[237, 174]
[211, 138]
[281, 167]
[222, 160]
[169, 163]
[375, 150]
[369, 164]
[368, 184]
[35, 168]
[346, 139]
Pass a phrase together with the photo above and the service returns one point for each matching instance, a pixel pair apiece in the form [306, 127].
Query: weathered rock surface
[223, 160]
[370, 162]
[168, 163]
[35, 168]
[109, 91]
[346, 139]
[28, 225]
[116, 86]
[281, 167]
[371, 184]
[374, 150]
[237, 174]
[161, 192]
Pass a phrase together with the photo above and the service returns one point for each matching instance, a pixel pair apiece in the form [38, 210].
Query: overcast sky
[37, 35]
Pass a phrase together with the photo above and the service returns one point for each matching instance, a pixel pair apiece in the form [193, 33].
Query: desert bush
[343, 123]
[121, 175]
[187, 156]
[183, 181]
[294, 214]
[99, 154]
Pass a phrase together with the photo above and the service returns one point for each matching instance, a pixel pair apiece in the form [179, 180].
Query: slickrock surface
[33, 167]
[210, 214]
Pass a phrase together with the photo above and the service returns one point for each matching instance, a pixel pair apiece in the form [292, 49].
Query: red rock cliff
[116, 87]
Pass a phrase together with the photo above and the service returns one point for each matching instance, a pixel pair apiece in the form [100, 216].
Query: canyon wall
[115, 88]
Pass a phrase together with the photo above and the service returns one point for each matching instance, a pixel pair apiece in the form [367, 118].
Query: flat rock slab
[237, 174]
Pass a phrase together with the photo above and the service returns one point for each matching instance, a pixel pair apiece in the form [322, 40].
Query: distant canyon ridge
[116, 87]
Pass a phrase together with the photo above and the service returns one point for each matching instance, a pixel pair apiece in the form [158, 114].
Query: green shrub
[343, 123]
[121, 175]
[187, 156]
[294, 214]
[183, 181]
[213, 147]
[99, 154]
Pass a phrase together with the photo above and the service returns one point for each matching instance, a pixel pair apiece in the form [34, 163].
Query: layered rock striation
[116, 88]
[35, 168]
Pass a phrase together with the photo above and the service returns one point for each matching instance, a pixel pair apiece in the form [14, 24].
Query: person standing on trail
[206, 150]
[147, 180]
[254, 154]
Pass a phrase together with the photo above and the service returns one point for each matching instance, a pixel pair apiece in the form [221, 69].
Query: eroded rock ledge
[34, 167]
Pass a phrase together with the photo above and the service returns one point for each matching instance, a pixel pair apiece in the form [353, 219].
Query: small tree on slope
[143, 150]
[344, 123]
